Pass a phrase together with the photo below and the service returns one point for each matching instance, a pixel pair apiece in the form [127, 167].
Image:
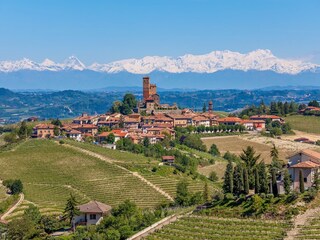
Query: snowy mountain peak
[74, 63]
[260, 60]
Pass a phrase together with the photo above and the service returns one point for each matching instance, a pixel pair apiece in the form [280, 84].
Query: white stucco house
[92, 213]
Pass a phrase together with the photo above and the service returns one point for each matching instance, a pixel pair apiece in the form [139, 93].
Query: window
[93, 216]
[305, 179]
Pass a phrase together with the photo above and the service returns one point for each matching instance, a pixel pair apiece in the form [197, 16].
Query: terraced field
[169, 185]
[50, 172]
[202, 227]
[311, 230]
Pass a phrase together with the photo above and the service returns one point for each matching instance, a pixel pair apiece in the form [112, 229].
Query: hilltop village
[152, 120]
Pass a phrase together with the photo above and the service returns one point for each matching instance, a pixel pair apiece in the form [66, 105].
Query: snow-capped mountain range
[260, 60]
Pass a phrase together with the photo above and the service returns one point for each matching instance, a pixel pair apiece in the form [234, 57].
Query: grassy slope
[309, 124]
[51, 172]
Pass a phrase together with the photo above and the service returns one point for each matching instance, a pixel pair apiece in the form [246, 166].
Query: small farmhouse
[92, 213]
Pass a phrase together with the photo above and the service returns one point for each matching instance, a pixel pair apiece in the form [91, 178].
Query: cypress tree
[256, 181]
[301, 181]
[71, 210]
[238, 180]
[228, 179]
[287, 182]
[206, 192]
[316, 180]
[274, 183]
[263, 178]
[245, 181]
[249, 157]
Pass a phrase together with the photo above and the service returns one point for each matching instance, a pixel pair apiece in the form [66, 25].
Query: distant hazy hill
[68, 104]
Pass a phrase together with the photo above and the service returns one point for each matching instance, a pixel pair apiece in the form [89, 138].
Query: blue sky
[105, 30]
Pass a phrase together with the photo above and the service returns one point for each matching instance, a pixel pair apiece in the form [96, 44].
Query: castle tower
[210, 106]
[146, 88]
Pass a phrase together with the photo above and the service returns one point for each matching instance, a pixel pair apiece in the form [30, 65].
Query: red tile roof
[230, 119]
[94, 207]
[265, 117]
[306, 164]
[44, 126]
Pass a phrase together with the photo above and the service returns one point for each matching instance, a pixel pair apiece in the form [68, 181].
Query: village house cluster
[157, 121]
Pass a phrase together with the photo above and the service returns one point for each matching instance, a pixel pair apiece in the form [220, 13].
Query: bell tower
[146, 88]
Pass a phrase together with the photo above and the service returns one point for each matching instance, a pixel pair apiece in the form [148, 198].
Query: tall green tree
[228, 179]
[182, 196]
[23, 130]
[263, 178]
[245, 181]
[250, 158]
[301, 181]
[238, 180]
[204, 108]
[206, 195]
[287, 182]
[274, 153]
[256, 181]
[130, 100]
[274, 183]
[71, 210]
[214, 150]
[316, 180]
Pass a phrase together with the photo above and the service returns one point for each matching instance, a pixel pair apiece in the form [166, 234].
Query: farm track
[10, 210]
[114, 162]
[301, 220]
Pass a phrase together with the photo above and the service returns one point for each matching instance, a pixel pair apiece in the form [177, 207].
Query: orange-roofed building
[118, 134]
[266, 117]
[43, 130]
[230, 121]
[307, 161]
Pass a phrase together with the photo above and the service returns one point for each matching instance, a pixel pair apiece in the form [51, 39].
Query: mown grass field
[309, 124]
[203, 227]
[236, 144]
[51, 172]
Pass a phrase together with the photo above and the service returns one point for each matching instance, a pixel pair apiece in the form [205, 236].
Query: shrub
[310, 195]
[61, 142]
[292, 197]
[15, 186]
[213, 176]
[229, 196]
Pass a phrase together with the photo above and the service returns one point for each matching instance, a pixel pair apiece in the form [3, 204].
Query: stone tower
[210, 108]
[146, 88]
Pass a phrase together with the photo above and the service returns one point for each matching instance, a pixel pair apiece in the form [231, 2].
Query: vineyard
[163, 178]
[51, 172]
[203, 227]
[311, 230]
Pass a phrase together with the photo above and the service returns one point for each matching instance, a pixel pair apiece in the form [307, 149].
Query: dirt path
[301, 220]
[111, 161]
[6, 214]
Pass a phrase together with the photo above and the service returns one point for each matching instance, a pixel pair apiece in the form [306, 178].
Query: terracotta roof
[94, 207]
[73, 131]
[44, 126]
[266, 116]
[116, 132]
[306, 164]
[87, 126]
[311, 153]
[230, 119]
[168, 157]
